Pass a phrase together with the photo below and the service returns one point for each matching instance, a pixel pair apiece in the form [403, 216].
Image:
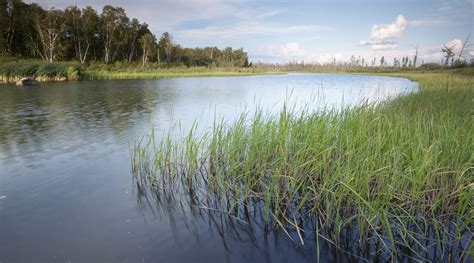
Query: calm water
[66, 191]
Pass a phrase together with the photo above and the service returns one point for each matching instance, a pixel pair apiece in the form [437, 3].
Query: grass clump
[400, 172]
[41, 71]
[101, 72]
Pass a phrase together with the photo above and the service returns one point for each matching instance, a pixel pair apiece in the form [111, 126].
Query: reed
[94, 73]
[41, 71]
[400, 172]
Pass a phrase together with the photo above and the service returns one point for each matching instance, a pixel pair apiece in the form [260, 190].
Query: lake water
[66, 190]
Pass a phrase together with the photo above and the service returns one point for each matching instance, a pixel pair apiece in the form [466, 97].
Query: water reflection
[246, 228]
[65, 171]
[248, 225]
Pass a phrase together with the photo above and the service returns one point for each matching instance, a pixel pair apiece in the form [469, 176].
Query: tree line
[84, 35]
[451, 59]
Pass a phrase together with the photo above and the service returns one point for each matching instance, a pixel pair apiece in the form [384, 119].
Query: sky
[304, 30]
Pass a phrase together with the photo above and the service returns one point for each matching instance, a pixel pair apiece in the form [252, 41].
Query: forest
[85, 36]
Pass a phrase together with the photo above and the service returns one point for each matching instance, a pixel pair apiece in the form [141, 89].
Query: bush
[41, 70]
[431, 66]
[459, 64]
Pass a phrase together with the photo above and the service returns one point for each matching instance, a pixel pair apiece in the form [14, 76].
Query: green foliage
[398, 171]
[86, 36]
[120, 71]
[41, 71]
[431, 66]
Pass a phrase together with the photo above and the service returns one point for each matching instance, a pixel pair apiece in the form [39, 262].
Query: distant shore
[63, 71]
[11, 72]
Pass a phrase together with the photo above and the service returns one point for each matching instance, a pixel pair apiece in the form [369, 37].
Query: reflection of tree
[55, 115]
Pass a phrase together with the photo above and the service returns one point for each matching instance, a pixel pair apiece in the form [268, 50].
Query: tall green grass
[151, 73]
[41, 71]
[400, 172]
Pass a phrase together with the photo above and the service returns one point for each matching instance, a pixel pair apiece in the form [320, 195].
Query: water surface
[66, 191]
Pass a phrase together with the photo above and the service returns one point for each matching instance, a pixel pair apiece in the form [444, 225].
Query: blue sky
[280, 31]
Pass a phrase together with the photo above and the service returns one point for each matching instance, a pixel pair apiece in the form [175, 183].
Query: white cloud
[161, 15]
[384, 46]
[393, 30]
[268, 14]
[329, 57]
[250, 28]
[289, 49]
[370, 42]
[293, 51]
[429, 22]
[223, 18]
[456, 44]
[383, 36]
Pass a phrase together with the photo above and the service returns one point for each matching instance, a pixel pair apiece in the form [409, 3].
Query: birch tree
[114, 21]
[148, 43]
[49, 33]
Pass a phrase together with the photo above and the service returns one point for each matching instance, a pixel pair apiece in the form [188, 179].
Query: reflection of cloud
[382, 36]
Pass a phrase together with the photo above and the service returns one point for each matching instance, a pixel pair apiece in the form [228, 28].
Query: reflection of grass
[400, 172]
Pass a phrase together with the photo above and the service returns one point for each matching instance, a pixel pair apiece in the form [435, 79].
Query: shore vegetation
[398, 175]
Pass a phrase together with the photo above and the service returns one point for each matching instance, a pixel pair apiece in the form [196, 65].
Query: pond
[66, 190]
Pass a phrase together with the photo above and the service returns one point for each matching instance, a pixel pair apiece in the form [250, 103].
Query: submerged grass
[400, 172]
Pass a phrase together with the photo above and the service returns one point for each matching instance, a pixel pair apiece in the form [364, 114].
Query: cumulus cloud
[429, 22]
[285, 51]
[292, 51]
[456, 44]
[384, 36]
[250, 28]
[383, 46]
[329, 57]
[289, 49]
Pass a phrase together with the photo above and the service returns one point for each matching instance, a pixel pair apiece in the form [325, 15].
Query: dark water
[66, 191]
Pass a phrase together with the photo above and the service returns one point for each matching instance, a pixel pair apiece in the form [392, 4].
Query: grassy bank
[400, 173]
[41, 71]
[13, 71]
[173, 72]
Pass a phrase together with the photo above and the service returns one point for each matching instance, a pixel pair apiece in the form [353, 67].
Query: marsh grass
[41, 71]
[399, 174]
[59, 71]
[173, 72]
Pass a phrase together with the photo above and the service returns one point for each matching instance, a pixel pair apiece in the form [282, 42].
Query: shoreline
[64, 71]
